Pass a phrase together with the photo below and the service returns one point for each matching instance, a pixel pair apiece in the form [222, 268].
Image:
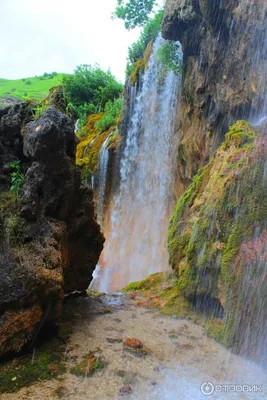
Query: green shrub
[168, 55]
[112, 112]
[149, 32]
[17, 176]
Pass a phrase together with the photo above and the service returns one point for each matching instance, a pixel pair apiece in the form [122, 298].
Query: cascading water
[102, 180]
[136, 242]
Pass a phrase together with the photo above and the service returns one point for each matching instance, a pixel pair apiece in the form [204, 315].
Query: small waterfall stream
[102, 180]
[136, 242]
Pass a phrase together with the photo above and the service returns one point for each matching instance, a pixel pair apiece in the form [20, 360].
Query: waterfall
[76, 126]
[102, 180]
[136, 240]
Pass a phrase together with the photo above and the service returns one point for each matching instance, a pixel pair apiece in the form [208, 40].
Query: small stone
[114, 340]
[125, 390]
[132, 342]
[121, 372]
[104, 311]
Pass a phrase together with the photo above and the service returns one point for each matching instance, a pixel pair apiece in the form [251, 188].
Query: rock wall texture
[224, 75]
[217, 240]
[49, 239]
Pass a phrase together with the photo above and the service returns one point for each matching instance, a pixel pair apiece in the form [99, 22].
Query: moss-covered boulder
[217, 238]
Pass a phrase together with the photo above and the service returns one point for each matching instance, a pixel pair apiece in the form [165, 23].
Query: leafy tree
[90, 84]
[134, 12]
[149, 32]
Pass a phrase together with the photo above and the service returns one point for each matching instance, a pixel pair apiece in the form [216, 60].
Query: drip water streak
[136, 243]
[102, 180]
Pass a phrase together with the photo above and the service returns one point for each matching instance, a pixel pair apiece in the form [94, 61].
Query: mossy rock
[221, 217]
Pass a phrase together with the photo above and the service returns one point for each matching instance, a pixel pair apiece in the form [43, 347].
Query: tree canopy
[92, 86]
[89, 89]
[134, 12]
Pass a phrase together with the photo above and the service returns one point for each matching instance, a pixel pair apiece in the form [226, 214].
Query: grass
[47, 363]
[36, 90]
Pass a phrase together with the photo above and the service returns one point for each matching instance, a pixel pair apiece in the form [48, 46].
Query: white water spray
[136, 242]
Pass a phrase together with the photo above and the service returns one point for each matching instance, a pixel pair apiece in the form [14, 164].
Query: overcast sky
[40, 36]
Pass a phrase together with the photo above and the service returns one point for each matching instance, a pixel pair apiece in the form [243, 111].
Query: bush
[168, 55]
[91, 85]
[17, 176]
[112, 113]
[28, 82]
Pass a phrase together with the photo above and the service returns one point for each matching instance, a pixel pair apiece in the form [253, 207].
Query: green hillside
[35, 87]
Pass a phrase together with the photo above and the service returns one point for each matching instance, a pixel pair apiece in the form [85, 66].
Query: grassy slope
[38, 89]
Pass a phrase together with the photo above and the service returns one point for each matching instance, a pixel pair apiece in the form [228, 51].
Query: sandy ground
[181, 358]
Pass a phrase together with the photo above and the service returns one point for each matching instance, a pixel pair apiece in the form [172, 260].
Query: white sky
[38, 36]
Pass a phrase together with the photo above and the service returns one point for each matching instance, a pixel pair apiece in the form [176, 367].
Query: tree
[134, 12]
[91, 85]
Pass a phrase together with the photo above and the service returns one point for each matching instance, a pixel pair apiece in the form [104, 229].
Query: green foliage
[47, 364]
[112, 112]
[82, 113]
[17, 176]
[39, 109]
[215, 329]
[150, 32]
[88, 366]
[168, 55]
[134, 12]
[91, 85]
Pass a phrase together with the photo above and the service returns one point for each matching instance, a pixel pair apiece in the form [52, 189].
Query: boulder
[49, 239]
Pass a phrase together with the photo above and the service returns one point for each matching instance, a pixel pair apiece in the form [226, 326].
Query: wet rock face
[224, 51]
[49, 239]
[217, 239]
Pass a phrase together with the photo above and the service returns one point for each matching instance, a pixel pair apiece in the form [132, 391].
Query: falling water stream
[102, 180]
[136, 242]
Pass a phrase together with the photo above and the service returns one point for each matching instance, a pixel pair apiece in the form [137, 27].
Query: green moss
[138, 67]
[215, 329]
[176, 305]
[88, 366]
[153, 281]
[223, 207]
[239, 134]
[46, 363]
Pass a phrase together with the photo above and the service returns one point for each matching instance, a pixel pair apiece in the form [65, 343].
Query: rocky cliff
[217, 239]
[224, 50]
[49, 239]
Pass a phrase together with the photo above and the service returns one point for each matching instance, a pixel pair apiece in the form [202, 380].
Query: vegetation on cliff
[215, 225]
[89, 89]
[137, 59]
